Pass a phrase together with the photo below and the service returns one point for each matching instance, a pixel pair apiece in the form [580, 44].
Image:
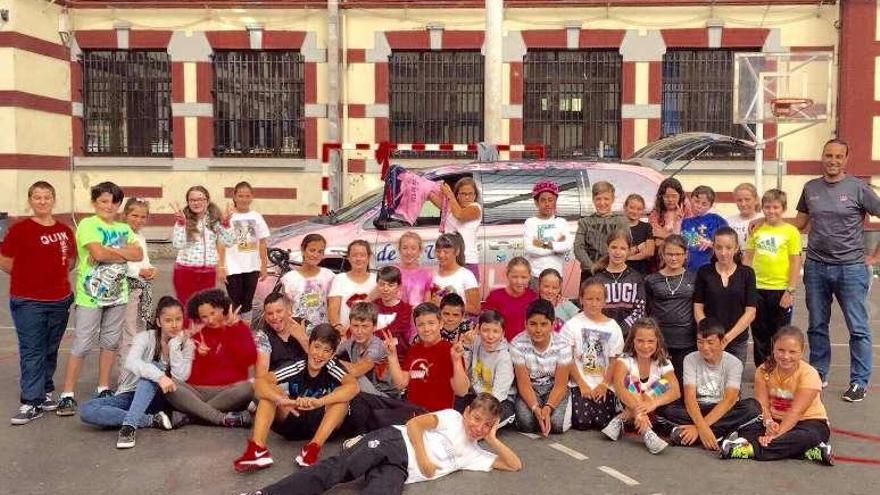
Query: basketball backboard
[782, 87]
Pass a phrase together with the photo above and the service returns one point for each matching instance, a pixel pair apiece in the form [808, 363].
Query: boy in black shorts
[306, 399]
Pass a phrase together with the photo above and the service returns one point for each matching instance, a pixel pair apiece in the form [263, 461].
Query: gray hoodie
[139, 362]
[490, 371]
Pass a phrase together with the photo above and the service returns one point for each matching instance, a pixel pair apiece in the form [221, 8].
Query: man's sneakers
[820, 453]
[26, 414]
[855, 393]
[654, 443]
[161, 421]
[309, 454]
[253, 459]
[66, 406]
[613, 429]
[125, 439]
[50, 404]
[238, 419]
[735, 447]
[103, 394]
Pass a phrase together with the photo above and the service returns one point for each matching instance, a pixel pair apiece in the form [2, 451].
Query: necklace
[618, 274]
[669, 286]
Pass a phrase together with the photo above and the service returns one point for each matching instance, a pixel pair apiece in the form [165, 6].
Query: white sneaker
[613, 428]
[654, 443]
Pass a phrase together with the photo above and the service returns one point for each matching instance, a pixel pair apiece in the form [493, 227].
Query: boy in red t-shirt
[433, 372]
[394, 314]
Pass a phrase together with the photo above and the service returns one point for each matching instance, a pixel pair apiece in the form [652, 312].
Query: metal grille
[436, 97]
[259, 103]
[572, 102]
[698, 92]
[126, 103]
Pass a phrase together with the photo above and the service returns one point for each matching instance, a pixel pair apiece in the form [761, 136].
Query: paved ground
[61, 455]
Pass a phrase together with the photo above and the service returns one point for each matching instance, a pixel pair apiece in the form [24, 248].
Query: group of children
[656, 342]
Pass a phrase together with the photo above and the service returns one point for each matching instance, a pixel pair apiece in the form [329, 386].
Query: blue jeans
[40, 325]
[129, 408]
[849, 285]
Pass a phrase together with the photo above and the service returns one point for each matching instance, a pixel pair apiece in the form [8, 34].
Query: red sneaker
[253, 459]
[309, 454]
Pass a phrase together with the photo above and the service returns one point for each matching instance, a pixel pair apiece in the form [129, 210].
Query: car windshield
[352, 211]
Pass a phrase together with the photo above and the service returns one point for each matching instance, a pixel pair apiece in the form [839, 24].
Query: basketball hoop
[788, 107]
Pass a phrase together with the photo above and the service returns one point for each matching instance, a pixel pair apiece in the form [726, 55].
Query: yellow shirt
[782, 391]
[772, 245]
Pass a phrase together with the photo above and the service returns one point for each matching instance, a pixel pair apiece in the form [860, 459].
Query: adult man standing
[835, 206]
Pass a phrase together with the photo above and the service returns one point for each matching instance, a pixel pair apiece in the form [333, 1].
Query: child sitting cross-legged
[644, 380]
[305, 399]
[428, 447]
[712, 407]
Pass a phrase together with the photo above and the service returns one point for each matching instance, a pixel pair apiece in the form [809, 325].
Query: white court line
[571, 452]
[626, 480]
[530, 435]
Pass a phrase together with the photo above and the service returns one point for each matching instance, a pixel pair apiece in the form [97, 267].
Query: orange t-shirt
[782, 391]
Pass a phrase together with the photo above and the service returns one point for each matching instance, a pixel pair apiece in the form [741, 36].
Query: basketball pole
[759, 147]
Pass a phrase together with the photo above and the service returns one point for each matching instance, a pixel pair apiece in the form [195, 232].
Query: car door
[507, 203]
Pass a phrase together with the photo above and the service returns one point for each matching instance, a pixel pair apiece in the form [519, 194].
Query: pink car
[505, 195]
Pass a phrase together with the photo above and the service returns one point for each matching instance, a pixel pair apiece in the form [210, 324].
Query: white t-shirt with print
[309, 295]
[459, 282]
[247, 231]
[741, 226]
[350, 292]
[594, 344]
[448, 447]
[654, 384]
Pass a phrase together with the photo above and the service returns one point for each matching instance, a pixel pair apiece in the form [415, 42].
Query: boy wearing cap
[547, 239]
[591, 239]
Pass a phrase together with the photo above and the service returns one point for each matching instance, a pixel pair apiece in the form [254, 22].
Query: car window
[507, 194]
[625, 183]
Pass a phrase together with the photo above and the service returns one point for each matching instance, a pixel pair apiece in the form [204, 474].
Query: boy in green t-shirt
[103, 246]
[774, 251]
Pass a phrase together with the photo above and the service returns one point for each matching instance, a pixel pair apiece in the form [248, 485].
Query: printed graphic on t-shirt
[385, 319]
[696, 235]
[636, 386]
[310, 304]
[420, 369]
[625, 295]
[546, 232]
[103, 282]
[710, 384]
[245, 234]
[767, 244]
[781, 399]
[594, 344]
[483, 377]
[442, 292]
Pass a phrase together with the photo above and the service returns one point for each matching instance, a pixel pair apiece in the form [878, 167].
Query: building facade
[218, 92]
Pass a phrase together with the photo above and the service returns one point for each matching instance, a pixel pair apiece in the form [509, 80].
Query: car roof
[457, 168]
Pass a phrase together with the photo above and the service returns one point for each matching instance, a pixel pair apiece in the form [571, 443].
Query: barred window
[126, 103]
[259, 103]
[698, 95]
[572, 102]
[436, 97]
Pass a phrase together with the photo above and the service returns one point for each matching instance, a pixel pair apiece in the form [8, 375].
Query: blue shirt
[694, 229]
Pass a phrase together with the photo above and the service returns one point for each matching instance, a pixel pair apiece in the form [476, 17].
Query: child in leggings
[795, 422]
[217, 389]
[426, 448]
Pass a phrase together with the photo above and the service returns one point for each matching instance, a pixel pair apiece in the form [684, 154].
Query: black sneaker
[26, 414]
[855, 393]
[104, 394]
[675, 436]
[179, 419]
[66, 406]
[50, 404]
[238, 419]
[162, 421]
[125, 440]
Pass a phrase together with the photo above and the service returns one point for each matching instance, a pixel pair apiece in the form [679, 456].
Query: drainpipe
[334, 80]
[493, 69]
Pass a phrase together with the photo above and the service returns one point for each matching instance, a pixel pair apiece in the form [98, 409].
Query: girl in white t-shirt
[596, 342]
[465, 217]
[357, 284]
[246, 262]
[140, 276]
[308, 285]
[644, 380]
[452, 276]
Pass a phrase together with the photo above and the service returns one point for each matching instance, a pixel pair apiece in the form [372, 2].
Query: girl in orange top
[795, 422]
